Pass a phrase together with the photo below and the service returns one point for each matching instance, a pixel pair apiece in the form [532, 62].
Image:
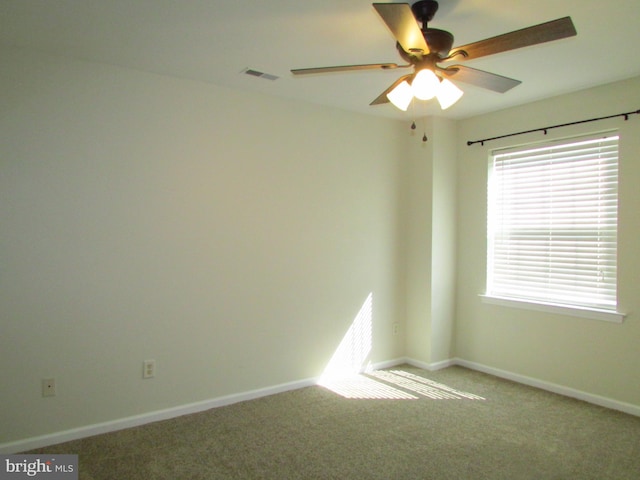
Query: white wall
[429, 239]
[590, 356]
[417, 217]
[231, 237]
[235, 237]
[443, 241]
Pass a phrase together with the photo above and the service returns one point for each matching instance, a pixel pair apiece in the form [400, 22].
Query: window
[552, 223]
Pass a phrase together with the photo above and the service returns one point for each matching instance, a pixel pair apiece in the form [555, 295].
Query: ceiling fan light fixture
[448, 94]
[425, 85]
[401, 95]
[423, 48]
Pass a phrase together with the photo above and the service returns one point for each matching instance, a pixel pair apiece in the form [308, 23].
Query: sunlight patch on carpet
[393, 385]
[422, 386]
[363, 387]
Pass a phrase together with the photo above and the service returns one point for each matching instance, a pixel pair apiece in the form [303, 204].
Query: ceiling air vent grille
[256, 73]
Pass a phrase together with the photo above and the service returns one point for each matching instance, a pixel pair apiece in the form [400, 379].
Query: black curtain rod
[544, 129]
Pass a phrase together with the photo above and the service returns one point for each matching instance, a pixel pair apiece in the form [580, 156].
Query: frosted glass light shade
[448, 94]
[401, 96]
[425, 84]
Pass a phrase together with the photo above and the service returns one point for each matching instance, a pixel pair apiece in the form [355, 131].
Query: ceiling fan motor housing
[440, 43]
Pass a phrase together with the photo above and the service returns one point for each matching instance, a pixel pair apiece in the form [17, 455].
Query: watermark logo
[43, 467]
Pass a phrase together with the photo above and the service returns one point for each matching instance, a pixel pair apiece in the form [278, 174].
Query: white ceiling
[216, 40]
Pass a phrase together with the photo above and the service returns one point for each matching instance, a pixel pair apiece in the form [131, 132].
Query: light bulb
[448, 94]
[401, 95]
[425, 84]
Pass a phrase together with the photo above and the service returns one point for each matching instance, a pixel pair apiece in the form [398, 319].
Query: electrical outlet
[148, 369]
[396, 328]
[48, 387]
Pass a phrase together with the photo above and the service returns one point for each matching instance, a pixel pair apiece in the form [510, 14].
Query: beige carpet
[403, 423]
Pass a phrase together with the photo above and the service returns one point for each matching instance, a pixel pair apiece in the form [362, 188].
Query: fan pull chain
[424, 125]
[413, 113]
[424, 130]
[424, 133]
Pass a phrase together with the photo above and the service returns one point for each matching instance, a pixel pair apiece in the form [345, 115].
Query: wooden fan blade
[403, 25]
[480, 78]
[348, 68]
[544, 32]
[382, 98]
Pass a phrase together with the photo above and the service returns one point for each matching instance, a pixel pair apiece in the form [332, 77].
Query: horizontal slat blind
[552, 224]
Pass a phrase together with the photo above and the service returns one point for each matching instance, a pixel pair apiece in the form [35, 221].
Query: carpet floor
[400, 423]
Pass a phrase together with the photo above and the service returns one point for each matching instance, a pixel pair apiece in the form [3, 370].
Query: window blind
[552, 223]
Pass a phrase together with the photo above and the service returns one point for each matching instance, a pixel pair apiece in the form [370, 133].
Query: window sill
[590, 313]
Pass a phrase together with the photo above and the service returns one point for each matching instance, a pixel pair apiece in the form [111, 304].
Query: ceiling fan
[425, 48]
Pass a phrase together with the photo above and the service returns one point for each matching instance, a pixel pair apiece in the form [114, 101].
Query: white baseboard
[552, 387]
[533, 382]
[388, 364]
[432, 367]
[137, 420]
[158, 415]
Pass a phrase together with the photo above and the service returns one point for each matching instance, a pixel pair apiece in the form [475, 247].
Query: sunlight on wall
[353, 352]
[350, 375]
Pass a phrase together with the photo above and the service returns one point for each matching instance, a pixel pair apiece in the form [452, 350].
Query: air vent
[256, 73]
